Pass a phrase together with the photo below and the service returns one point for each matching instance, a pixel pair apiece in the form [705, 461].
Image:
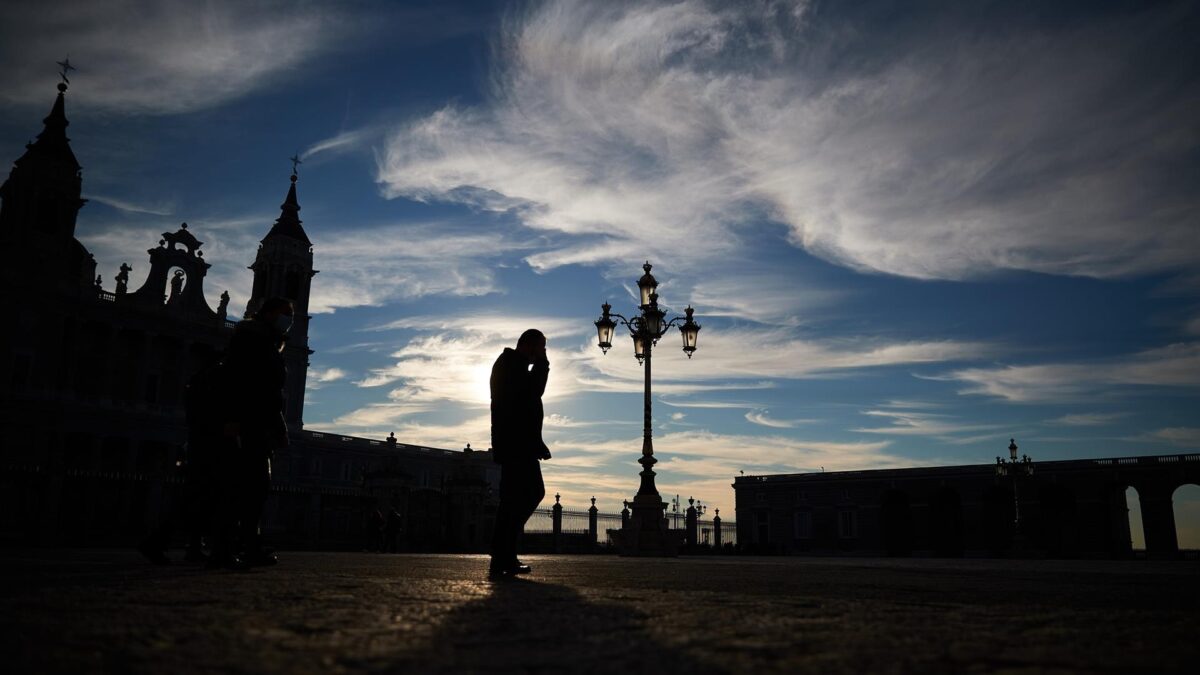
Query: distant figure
[374, 541]
[200, 508]
[517, 383]
[391, 531]
[223, 308]
[255, 374]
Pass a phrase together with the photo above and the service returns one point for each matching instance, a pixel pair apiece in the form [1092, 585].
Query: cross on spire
[65, 67]
[296, 162]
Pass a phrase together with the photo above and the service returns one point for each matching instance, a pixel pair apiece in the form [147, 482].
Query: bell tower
[284, 268]
[39, 203]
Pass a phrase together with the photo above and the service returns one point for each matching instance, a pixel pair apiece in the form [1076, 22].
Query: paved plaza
[107, 611]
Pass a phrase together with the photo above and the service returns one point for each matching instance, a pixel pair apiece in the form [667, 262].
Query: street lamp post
[1015, 470]
[647, 534]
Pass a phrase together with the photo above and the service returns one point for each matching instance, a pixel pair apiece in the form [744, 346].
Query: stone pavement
[106, 611]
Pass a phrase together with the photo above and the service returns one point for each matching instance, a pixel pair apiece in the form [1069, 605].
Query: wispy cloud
[761, 418]
[1176, 365]
[1086, 419]
[646, 128]
[942, 427]
[345, 141]
[319, 377]
[129, 206]
[370, 266]
[167, 56]
[1188, 437]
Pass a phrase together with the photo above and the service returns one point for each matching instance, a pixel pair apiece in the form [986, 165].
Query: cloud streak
[163, 57]
[1176, 365]
[673, 127]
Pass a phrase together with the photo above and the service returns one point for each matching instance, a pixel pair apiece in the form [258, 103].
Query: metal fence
[576, 522]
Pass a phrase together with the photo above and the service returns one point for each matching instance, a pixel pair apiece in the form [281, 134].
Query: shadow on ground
[532, 626]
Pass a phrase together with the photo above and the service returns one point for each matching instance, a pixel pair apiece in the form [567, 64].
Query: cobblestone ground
[94, 611]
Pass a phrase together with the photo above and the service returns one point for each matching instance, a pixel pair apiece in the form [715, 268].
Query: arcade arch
[1186, 503]
[1133, 504]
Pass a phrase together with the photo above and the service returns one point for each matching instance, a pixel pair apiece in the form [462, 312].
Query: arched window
[1186, 502]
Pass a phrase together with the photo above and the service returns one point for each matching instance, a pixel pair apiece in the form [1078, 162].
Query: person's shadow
[526, 626]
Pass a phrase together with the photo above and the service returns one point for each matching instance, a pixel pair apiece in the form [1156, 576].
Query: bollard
[557, 516]
[592, 518]
[690, 522]
[717, 530]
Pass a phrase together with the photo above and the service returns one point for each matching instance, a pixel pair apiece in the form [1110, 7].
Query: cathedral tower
[284, 268]
[40, 204]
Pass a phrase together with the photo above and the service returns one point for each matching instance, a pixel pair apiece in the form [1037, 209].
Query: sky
[910, 231]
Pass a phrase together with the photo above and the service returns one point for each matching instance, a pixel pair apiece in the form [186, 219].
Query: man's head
[532, 344]
[276, 312]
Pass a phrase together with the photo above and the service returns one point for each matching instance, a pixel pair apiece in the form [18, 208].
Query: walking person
[196, 509]
[255, 371]
[517, 384]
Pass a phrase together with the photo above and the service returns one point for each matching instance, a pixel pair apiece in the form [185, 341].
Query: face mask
[283, 323]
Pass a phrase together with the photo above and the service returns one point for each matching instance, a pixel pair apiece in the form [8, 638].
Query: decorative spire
[53, 143]
[288, 224]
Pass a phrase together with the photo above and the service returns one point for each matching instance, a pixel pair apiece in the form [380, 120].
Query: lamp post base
[647, 534]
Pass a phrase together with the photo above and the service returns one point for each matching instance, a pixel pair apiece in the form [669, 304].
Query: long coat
[255, 373]
[517, 411]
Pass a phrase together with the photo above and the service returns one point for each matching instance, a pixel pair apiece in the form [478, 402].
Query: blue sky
[910, 232]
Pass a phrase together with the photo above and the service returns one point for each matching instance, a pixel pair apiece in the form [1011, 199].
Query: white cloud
[647, 129]
[761, 418]
[375, 265]
[318, 377]
[1086, 419]
[167, 56]
[131, 207]
[1180, 436]
[1176, 365]
[942, 427]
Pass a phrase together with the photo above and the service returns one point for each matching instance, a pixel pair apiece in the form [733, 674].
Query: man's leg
[533, 490]
[503, 538]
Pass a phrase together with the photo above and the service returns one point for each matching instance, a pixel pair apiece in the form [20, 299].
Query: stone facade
[1071, 508]
[92, 382]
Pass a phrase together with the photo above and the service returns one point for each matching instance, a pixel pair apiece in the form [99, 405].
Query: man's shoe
[153, 553]
[263, 558]
[507, 570]
[230, 562]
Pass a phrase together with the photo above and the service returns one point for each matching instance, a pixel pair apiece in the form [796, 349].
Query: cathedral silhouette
[92, 382]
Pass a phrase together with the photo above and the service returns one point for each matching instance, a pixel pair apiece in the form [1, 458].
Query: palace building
[1071, 508]
[92, 382]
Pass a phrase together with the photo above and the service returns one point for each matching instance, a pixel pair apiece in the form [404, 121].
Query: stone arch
[1133, 508]
[946, 523]
[1185, 502]
[895, 523]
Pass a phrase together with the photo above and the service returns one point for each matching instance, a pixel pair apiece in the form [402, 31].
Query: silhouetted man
[255, 372]
[200, 503]
[517, 383]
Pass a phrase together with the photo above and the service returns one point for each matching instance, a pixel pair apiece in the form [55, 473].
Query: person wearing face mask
[255, 372]
[517, 383]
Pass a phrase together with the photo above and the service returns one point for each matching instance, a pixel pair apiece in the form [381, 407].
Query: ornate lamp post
[1015, 470]
[647, 533]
